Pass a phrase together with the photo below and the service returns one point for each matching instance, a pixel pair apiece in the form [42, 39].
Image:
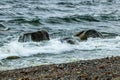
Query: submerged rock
[69, 40]
[84, 35]
[34, 36]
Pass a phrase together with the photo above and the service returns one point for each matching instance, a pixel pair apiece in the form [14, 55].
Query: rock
[84, 35]
[34, 36]
[70, 40]
[12, 57]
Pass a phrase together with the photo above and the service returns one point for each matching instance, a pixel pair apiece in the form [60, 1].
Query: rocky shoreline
[97, 69]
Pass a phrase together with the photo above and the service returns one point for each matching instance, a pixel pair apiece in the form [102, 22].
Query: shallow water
[61, 19]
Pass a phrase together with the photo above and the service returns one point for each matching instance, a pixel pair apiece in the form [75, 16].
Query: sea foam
[55, 46]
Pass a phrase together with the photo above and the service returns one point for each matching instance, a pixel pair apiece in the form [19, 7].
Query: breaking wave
[55, 46]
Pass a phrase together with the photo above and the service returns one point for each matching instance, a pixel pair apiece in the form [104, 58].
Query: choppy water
[61, 18]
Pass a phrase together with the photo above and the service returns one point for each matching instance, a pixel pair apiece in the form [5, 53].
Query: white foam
[54, 46]
[30, 48]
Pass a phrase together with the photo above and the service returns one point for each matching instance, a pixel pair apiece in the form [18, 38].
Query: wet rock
[34, 36]
[69, 40]
[12, 57]
[84, 35]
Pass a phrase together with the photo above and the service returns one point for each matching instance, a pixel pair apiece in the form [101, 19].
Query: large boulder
[34, 36]
[84, 35]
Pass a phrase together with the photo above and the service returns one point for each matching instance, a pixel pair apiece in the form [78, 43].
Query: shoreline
[96, 69]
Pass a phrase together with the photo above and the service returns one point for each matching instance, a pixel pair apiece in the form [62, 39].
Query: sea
[61, 19]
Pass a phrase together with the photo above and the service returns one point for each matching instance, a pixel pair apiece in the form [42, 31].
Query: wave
[86, 2]
[3, 28]
[84, 18]
[96, 2]
[68, 19]
[55, 46]
[71, 18]
[31, 48]
[109, 35]
[108, 17]
[67, 4]
[41, 9]
[23, 20]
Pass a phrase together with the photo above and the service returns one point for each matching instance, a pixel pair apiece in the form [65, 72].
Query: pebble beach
[97, 69]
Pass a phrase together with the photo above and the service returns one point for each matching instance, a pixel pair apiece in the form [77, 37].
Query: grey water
[61, 18]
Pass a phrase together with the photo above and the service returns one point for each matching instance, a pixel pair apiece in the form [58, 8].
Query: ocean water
[60, 18]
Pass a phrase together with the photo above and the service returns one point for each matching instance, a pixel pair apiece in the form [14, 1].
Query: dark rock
[84, 35]
[70, 40]
[12, 57]
[34, 36]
